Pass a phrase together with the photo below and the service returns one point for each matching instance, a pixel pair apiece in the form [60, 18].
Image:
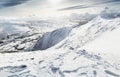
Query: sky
[53, 7]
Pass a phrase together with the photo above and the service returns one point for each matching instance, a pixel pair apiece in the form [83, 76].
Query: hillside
[74, 51]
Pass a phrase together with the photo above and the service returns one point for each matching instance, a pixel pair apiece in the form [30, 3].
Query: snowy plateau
[75, 46]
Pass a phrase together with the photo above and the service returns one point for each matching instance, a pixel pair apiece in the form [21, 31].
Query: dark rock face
[51, 39]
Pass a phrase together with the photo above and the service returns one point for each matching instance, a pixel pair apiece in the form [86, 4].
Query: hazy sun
[55, 1]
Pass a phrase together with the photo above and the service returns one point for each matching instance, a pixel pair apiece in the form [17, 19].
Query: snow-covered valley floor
[48, 48]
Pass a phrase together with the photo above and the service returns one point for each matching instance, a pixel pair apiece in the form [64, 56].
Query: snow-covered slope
[74, 51]
[110, 39]
[107, 45]
[79, 35]
[56, 63]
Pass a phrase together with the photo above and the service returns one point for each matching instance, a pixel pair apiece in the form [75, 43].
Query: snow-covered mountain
[78, 35]
[75, 50]
[20, 34]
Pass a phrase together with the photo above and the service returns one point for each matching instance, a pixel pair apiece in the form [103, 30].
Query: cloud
[9, 3]
[75, 7]
[90, 5]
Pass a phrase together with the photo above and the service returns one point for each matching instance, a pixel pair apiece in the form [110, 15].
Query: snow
[109, 39]
[107, 44]
[26, 31]
[68, 49]
[82, 34]
[61, 63]
[50, 39]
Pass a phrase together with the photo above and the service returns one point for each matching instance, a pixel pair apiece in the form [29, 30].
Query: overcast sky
[29, 7]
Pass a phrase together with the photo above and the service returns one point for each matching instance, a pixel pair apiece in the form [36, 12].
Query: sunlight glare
[55, 1]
